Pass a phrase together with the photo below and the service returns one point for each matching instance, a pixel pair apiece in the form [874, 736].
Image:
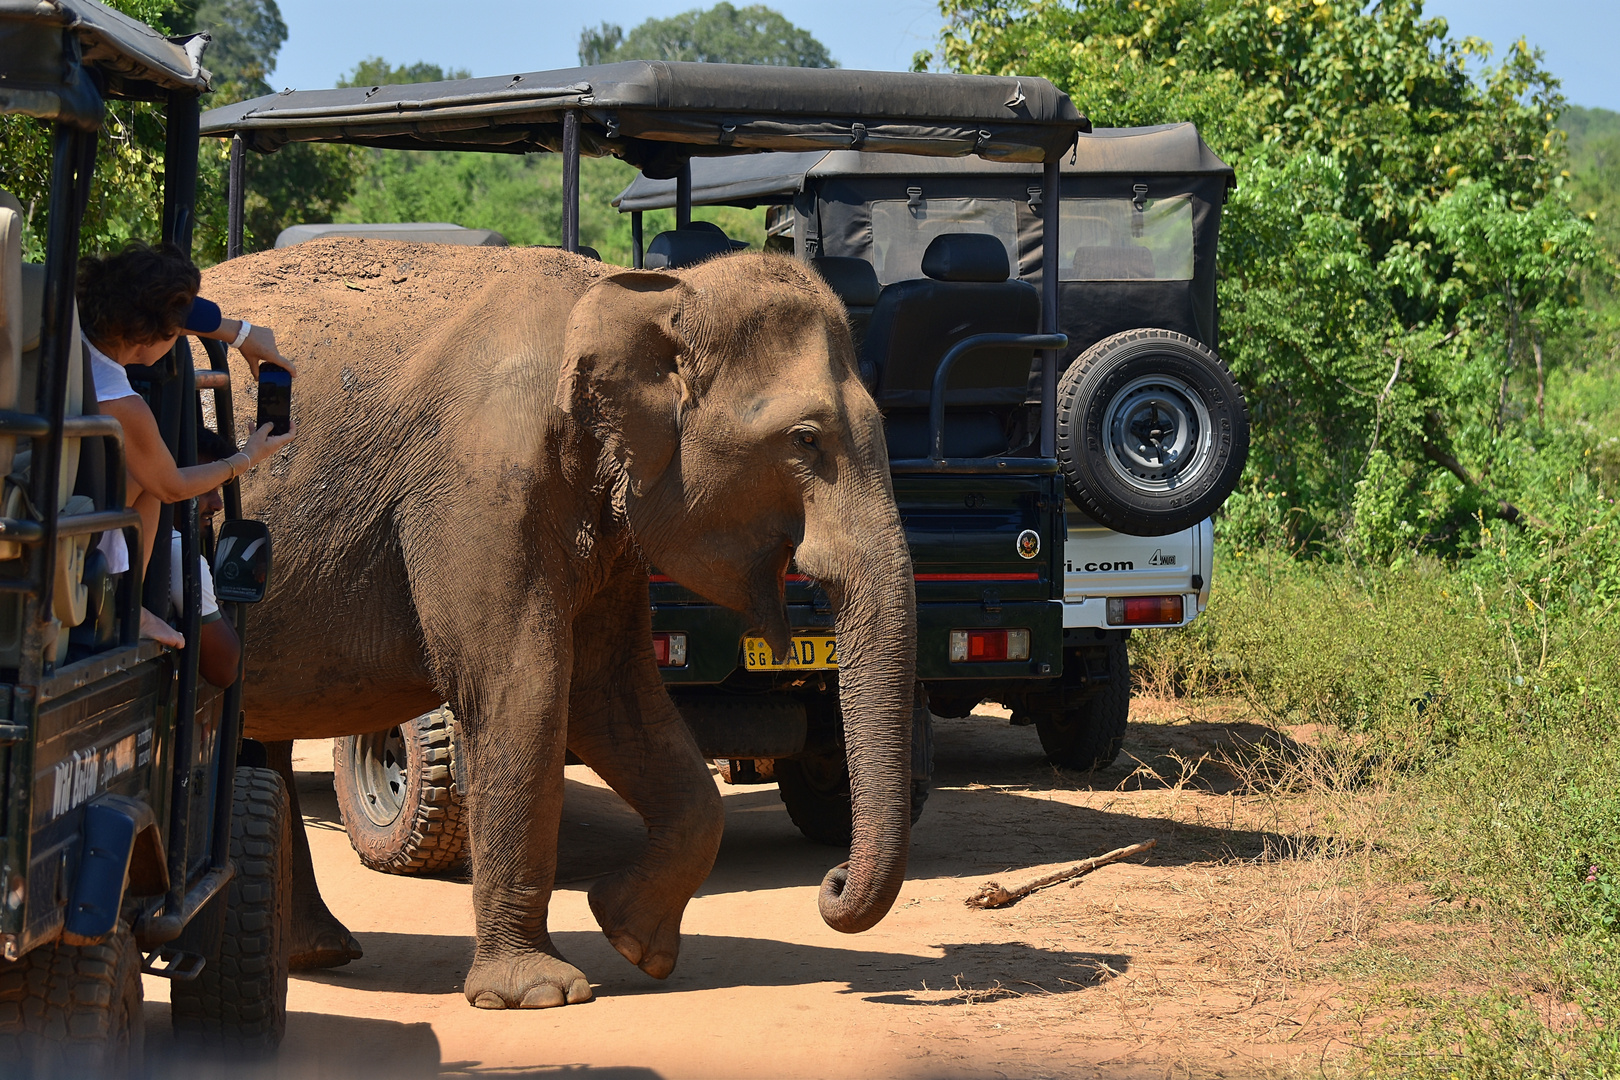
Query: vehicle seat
[856, 284]
[11, 315]
[686, 247]
[914, 323]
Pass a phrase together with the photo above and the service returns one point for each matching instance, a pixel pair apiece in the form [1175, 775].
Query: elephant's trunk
[876, 611]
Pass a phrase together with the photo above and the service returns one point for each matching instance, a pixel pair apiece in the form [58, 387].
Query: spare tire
[1152, 432]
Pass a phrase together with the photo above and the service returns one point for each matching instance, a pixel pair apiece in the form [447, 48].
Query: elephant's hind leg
[319, 940]
[623, 725]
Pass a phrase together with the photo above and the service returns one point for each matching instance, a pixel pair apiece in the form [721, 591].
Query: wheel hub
[1157, 433]
[381, 776]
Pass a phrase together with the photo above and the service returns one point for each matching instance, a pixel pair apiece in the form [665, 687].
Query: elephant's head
[732, 417]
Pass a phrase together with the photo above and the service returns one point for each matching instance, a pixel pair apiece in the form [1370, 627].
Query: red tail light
[988, 646]
[1144, 610]
[669, 649]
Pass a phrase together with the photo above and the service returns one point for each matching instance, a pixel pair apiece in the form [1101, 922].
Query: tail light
[988, 646]
[670, 649]
[1144, 610]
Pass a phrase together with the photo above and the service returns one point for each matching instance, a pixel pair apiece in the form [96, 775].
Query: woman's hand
[260, 348]
[261, 444]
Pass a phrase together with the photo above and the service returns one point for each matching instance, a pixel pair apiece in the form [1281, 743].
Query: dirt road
[1206, 957]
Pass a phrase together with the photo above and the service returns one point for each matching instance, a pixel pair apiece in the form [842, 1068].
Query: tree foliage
[1400, 246]
[723, 34]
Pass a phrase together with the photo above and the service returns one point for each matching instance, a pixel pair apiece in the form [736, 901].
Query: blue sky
[496, 37]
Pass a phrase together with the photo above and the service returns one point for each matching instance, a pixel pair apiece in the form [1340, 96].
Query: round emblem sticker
[1029, 543]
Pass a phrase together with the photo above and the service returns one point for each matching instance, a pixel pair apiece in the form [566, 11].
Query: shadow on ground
[970, 972]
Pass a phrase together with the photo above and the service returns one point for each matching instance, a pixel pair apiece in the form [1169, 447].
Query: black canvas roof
[654, 113]
[38, 77]
[1168, 149]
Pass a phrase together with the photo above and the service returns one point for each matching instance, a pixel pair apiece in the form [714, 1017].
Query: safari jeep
[127, 821]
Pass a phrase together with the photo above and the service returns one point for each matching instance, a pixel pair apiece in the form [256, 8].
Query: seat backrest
[856, 284]
[684, 247]
[967, 292]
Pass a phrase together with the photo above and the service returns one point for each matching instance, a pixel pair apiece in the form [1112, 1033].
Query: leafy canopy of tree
[723, 34]
[375, 71]
[1399, 252]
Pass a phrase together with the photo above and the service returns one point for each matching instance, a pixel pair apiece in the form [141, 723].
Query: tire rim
[1157, 433]
[826, 774]
[381, 775]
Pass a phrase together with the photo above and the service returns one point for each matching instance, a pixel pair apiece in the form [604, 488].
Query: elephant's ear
[622, 372]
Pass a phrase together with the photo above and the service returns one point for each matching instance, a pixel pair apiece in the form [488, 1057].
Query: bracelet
[242, 334]
[247, 463]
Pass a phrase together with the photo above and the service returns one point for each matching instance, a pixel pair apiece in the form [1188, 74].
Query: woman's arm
[152, 466]
[258, 347]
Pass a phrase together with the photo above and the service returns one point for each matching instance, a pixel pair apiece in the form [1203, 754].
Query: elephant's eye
[806, 439]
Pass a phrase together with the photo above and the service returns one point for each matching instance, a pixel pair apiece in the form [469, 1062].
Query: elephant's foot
[320, 941]
[646, 933]
[531, 980]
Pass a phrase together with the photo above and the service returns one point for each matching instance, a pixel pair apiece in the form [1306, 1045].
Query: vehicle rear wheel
[1152, 432]
[400, 797]
[74, 1010]
[815, 785]
[1089, 735]
[238, 1002]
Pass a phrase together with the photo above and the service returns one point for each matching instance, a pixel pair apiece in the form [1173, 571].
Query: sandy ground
[1206, 957]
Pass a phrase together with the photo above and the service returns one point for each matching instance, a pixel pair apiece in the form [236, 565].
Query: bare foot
[160, 631]
[525, 980]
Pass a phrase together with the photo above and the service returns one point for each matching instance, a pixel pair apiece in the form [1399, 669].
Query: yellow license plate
[813, 653]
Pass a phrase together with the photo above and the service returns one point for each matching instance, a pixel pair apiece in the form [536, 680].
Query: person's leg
[146, 504]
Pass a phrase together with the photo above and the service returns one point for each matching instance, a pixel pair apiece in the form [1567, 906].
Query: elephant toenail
[579, 991]
[489, 999]
[543, 997]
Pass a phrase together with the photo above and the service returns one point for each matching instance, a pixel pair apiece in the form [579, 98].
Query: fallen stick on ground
[991, 894]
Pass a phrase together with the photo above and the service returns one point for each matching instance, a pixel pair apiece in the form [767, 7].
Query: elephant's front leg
[514, 720]
[624, 726]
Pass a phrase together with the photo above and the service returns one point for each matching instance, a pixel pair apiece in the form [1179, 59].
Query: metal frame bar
[638, 258]
[236, 198]
[570, 180]
[683, 195]
[938, 462]
[1051, 203]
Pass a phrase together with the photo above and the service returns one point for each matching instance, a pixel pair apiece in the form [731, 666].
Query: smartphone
[275, 398]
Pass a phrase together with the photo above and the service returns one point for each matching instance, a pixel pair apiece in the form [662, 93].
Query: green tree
[723, 34]
[375, 71]
[1353, 303]
[301, 181]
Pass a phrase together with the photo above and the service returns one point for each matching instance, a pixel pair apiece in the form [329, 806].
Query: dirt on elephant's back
[360, 282]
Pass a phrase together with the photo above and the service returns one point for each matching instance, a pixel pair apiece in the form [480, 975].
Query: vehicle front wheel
[238, 1002]
[1089, 735]
[1152, 432]
[74, 1010]
[400, 797]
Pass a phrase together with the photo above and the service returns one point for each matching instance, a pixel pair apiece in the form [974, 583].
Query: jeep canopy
[655, 114]
[43, 79]
[1121, 265]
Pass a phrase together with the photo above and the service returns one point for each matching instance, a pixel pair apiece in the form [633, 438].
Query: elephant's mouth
[767, 596]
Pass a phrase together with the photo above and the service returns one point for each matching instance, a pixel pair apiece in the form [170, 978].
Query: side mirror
[242, 562]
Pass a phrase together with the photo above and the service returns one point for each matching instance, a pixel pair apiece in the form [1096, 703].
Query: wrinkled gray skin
[468, 514]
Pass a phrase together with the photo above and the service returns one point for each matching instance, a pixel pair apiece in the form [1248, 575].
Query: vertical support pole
[570, 181]
[1051, 203]
[72, 162]
[683, 195]
[638, 255]
[236, 198]
[176, 420]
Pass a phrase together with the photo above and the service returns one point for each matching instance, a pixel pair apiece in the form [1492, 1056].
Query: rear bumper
[714, 642]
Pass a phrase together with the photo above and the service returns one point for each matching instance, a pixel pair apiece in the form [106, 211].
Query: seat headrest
[965, 257]
[683, 247]
[854, 280]
[589, 252]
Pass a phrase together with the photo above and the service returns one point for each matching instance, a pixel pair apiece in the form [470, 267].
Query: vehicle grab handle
[976, 343]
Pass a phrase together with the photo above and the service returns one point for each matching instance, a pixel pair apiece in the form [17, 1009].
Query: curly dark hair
[140, 295]
[212, 446]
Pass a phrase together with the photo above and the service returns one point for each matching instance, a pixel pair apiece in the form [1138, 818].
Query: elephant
[494, 445]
